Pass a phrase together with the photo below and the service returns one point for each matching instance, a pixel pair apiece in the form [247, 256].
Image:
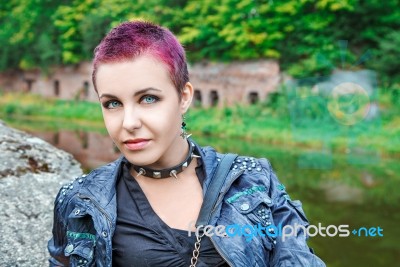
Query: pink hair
[132, 39]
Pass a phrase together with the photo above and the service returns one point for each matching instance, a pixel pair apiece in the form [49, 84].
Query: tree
[302, 34]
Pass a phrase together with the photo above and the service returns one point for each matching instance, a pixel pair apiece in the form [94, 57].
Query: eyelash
[107, 103]
[152, 96]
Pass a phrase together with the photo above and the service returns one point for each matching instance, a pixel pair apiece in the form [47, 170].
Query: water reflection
[91, 149]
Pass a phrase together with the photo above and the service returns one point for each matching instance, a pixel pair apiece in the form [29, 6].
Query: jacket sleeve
[58, 242]
[291, 244]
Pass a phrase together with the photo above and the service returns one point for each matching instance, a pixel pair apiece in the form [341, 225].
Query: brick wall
[216, 84]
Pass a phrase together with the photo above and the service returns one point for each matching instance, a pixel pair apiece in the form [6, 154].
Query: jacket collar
[100, 185]
[209, 163]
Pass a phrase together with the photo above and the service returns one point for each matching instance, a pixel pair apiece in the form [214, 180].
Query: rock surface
[31, 173]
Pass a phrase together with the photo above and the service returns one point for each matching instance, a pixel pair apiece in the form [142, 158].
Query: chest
[176, 201]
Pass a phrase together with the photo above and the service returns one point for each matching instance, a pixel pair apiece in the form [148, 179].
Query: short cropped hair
[132, 39]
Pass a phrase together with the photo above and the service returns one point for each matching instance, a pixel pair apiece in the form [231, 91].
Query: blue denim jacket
[85, 216]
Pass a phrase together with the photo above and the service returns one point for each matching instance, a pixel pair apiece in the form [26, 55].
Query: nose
[132, 120]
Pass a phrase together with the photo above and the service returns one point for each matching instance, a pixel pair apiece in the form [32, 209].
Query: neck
[174, 155]
[170, 171]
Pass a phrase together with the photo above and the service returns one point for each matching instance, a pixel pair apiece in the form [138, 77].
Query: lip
[136, 144]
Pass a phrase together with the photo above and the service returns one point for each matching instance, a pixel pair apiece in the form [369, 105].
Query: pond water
[351, 189]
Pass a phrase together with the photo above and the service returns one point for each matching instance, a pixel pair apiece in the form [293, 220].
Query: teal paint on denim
[281, 187]
[249, 191]
[75, 235]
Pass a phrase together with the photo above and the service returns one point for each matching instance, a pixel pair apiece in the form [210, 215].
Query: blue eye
[149, 99]
[112, 104]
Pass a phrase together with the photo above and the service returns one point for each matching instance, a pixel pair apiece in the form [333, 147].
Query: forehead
[141, 72]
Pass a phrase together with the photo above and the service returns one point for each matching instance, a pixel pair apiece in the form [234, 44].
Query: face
[142, 111]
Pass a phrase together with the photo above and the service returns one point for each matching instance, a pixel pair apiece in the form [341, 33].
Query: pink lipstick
[136, 144]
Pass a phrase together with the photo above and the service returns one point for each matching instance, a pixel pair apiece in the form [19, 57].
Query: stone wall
[216, 84]
[31, 173]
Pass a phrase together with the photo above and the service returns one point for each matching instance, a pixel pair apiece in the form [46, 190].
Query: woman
[142, 209]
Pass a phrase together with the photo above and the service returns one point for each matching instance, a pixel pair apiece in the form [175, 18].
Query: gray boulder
[31, 173]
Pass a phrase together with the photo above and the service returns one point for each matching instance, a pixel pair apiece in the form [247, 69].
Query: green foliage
[67, 19]
[27, 34]
[388, 46]
[302, 34]
[10, 109]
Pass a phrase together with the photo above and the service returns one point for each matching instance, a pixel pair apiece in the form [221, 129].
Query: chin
[140, 159]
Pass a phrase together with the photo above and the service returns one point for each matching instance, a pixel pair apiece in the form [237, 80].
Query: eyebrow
[142, 91]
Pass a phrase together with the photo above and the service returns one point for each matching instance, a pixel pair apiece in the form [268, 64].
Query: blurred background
[311, 85]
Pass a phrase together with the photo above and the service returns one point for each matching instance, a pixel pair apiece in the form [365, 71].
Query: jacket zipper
[213, 210]
[97, 205]
[82, 196]
[228, 186]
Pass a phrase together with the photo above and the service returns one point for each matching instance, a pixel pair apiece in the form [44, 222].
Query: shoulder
[251, 164]
[249, 175]
[246, 163]
[263, 179]
[250, 168]
[72, 188]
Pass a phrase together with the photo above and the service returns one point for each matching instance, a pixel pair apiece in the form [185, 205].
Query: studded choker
[170, 172]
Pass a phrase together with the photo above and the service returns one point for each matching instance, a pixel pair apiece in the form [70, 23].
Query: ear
[186, 97]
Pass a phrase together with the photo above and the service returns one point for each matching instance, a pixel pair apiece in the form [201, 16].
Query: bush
[10, 109]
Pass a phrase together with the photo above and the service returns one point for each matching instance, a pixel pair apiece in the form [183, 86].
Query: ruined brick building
[216, 84]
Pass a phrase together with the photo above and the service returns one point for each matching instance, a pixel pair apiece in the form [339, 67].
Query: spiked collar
[169, 172]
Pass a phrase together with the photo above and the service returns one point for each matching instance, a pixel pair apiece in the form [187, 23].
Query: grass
[25, 105]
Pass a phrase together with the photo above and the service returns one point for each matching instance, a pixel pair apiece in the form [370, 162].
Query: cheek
[167, 115]
[111, 124]
[157, 122]
[170, 119]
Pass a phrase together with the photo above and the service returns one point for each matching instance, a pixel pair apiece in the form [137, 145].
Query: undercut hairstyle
[130, 40]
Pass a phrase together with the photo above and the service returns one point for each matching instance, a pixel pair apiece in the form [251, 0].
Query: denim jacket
[85, 217]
